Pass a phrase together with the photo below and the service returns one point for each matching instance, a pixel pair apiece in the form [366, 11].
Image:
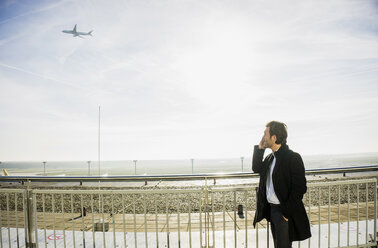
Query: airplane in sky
[75, 33]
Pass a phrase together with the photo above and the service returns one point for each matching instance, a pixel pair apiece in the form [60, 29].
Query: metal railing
[341, 213]
[178, 177]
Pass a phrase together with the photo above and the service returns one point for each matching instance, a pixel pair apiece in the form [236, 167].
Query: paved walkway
[250, 238]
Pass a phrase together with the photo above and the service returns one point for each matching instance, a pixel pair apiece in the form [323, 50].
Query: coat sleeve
[257, 161]
[298, 183]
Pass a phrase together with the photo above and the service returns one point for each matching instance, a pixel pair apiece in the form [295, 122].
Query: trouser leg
[280, 229]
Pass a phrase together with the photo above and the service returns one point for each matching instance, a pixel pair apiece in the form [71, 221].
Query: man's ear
[274, 138]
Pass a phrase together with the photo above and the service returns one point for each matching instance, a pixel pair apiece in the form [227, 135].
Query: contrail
[41, 76]
[34, 11]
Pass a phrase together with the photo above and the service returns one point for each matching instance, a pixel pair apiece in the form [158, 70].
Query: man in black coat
[281, 188]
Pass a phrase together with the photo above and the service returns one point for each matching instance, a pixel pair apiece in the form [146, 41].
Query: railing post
[267, 234]
[375, 212]
[30, 238]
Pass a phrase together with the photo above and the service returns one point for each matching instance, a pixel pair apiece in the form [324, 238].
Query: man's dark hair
[279, 129]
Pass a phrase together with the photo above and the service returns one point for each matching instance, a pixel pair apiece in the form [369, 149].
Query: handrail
[41, 206]
[176, 177]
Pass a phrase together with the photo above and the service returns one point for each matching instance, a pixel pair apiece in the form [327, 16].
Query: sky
[186, 79]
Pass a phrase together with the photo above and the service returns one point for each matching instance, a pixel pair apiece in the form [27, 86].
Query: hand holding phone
[262, 143]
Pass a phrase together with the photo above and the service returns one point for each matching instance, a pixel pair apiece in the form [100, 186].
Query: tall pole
[135, 161]
[99, 126]
[192, 160]
[242, 158]
[44, 168]
[99, 182]
[89, 168]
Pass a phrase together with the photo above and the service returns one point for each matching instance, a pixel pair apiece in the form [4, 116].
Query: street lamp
[44, 168]
[89, 168]
[192, 160]
[242, 158]
[135, 161]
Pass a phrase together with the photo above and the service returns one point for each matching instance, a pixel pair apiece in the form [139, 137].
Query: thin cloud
[42, 76]
[193, 77]
[36, 11]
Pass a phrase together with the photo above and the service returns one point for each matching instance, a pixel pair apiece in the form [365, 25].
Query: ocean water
[184, 166]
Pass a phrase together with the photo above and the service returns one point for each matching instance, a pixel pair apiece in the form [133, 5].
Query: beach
[174, 166]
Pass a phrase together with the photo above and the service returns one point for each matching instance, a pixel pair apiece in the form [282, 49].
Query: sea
[173, 167]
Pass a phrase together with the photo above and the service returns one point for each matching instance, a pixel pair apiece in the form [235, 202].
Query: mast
[99, 126]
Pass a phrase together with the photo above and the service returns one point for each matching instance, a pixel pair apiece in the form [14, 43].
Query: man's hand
[261, 144]
[286, 219]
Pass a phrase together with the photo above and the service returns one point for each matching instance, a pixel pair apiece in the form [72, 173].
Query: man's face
[268, 140]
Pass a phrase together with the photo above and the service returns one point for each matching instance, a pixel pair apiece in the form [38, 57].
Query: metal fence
[341, 213]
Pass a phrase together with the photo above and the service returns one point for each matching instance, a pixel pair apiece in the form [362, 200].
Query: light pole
[135, 161]
[242, 158]
[192, 160]
[99, 126]
[89, 168]
[44, 168]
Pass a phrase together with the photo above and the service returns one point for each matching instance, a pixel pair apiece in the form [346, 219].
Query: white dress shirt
[270, 194]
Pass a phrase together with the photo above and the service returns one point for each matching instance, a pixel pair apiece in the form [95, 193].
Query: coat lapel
[276, 168]
[267, 167]
[281, 153]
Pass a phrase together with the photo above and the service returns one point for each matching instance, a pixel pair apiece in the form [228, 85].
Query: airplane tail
[90, 32]
[5, 172]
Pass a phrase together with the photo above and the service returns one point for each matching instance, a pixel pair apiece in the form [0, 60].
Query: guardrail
[178, 177]
[341, 213]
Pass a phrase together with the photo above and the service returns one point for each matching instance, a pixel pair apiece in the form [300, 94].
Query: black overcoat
[289, 183]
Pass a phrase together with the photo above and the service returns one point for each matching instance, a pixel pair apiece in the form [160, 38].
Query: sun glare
[217, 66]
